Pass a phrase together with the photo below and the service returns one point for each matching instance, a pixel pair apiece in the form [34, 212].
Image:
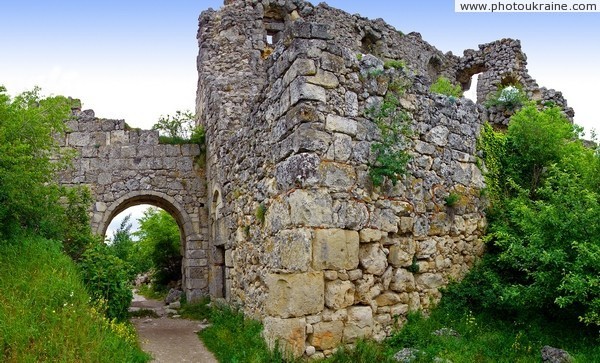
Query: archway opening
[150, 240]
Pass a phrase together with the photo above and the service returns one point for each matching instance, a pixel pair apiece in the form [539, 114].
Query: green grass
[231, 336]
[45, 314]
[487, 337]
[482, 337]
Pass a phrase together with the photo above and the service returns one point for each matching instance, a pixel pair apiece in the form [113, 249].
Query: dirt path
[169, 339]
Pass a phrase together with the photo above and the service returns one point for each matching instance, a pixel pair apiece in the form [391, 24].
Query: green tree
[29, 159]
[543, 230]
[121, 243]
[159, 237]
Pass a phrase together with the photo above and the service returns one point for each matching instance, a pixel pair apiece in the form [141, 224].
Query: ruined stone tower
[298, 234]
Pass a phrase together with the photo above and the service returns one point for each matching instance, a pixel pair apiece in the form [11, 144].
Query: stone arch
[194, 274]
[154, 198]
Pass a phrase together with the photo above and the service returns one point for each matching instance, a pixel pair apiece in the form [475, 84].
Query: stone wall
[299, 236]
[124, 167]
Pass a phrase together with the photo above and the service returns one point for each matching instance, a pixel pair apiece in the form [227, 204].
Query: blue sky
[135, 60]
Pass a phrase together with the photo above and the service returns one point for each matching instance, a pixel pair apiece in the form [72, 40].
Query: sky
[136, 60]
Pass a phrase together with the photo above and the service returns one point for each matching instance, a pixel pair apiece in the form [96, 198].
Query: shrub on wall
[445, 87]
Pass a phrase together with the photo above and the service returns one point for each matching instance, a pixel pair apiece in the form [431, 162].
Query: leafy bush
[396, 64]
[443, 86]
[179, 129]
[107, 280]
[543, 227]
[508, 98]
[28, 193]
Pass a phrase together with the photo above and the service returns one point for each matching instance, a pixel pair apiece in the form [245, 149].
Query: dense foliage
[107, 279]
[32, 202]
[160, 243]
[28, 195]
[544, 229]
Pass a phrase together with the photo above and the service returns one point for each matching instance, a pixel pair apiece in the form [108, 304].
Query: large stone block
[326, 335]
[293, 295]
[293, 249]
[335, 249]
[289, 334]
[402, 252]
[311, 208]
[336, 176]
[301, 91]
[339, 294]
[297, 170]
[403, 281]
[359, 324]
[429, 281]
[344, 125]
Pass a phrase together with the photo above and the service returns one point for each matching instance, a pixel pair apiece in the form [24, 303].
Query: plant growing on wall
[509, 98]
[391, 157]
[180, 129]
[444, 86]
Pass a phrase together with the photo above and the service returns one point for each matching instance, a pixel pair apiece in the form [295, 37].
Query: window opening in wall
[274, 23]
[471, 92]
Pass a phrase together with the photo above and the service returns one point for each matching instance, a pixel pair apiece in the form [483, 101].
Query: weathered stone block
[403, 281]
[426, 248]
[387, 299]
[402, 252]
[300, 67]
[438, 135]
[335, 249]
[293, 249]
[370, 235]
[293, 295]
[310, 208]
[327, 335]
[359, 324]
[290, 334]
[300, 90]
[344, 125]
[324, 79]
[429, 280]
[339, 294]
[277, 216]
[373, 259]
[297, 170]
[336, 176]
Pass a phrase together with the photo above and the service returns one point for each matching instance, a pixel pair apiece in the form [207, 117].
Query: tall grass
[45, 312]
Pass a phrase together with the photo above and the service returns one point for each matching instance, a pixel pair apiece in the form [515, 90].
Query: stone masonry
[299, 237]
[282, 217]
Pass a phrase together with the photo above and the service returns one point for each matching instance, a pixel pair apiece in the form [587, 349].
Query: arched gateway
[124, 167]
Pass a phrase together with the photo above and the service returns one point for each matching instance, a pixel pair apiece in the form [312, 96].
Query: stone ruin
[282, 218]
